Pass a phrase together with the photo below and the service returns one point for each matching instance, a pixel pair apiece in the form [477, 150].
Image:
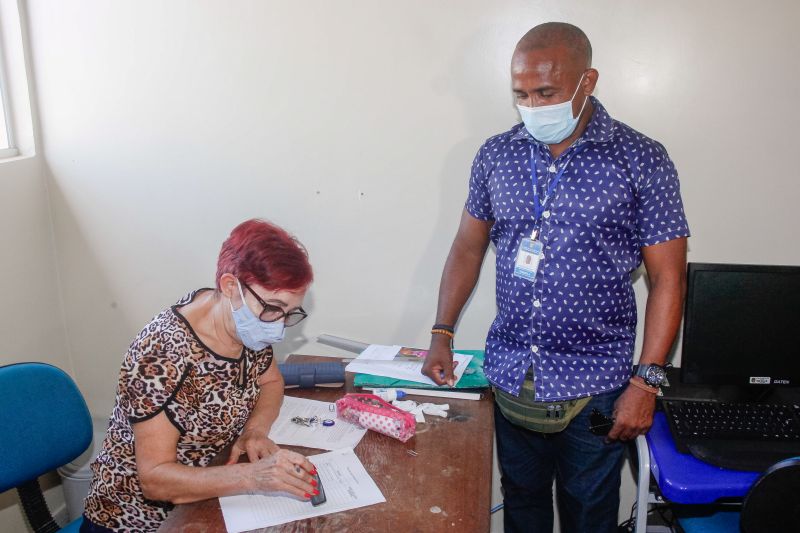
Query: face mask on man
[253, 332]
[551, 124]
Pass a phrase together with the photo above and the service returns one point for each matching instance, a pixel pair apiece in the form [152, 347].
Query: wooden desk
[446, 487]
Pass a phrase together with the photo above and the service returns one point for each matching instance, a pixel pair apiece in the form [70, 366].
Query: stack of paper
[345, 480]
[401, 363]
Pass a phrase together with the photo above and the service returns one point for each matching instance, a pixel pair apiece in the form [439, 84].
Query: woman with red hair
[199, 377]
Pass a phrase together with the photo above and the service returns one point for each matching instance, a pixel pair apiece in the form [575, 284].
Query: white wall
[354, 124]
[31, 327]
[31, 315]
[31, 320]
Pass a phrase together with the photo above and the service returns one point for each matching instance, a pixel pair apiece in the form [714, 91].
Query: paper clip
[412, 453]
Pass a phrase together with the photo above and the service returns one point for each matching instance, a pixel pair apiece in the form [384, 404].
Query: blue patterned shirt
[576, 321]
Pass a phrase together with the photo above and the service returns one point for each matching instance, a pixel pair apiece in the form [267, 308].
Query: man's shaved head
[558, 34]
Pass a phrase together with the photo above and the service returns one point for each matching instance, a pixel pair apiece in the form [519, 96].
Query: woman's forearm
[267, 407]
[177, 483]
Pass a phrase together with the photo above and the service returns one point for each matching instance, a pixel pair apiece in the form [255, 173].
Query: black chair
[773, 503]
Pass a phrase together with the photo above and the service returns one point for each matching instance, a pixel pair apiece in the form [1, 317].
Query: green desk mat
[468, 381]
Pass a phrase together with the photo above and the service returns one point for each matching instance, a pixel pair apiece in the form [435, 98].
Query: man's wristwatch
[653, 375]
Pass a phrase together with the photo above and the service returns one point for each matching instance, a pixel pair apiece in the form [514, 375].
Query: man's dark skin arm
[666, 269]
[460, 275]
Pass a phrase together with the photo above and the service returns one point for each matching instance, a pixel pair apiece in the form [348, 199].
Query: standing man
[574, 201]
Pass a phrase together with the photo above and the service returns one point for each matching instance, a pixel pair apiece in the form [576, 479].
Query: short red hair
[258, 252]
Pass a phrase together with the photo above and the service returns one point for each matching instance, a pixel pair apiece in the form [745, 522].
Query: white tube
[342, 343]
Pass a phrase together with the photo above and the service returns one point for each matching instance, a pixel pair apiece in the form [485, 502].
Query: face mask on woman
[253, 332]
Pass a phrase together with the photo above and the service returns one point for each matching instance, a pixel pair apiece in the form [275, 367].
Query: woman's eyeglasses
[273, 313]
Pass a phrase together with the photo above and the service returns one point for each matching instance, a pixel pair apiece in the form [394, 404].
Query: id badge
[528, 258]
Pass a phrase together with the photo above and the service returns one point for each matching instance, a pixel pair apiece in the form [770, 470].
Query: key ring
[307, 422]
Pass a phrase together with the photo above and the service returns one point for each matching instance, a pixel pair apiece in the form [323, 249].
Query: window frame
[12, 150]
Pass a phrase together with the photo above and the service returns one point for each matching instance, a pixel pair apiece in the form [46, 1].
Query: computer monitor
[741, 325]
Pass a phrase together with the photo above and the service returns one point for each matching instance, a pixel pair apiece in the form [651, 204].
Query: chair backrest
[773, 502]
[44, 422]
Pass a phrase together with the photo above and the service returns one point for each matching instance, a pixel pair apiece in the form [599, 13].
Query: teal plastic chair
[772, 505]
[44, 424]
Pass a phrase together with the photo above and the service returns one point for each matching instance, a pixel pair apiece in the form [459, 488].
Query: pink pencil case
[369, 411]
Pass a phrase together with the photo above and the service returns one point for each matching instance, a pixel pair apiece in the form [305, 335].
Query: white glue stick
[389, 395]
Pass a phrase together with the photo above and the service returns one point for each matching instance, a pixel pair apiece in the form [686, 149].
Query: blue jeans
[586, 470]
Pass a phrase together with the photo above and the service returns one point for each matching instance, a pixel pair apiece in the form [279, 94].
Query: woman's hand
[253, 442]
[285, 471]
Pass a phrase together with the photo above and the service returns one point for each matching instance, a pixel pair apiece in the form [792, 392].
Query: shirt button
[551, 168]
[537, 303]
[535, 349]
[546, 214]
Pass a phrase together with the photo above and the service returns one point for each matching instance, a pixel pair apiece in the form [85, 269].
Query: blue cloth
[576, 321]
[586, 469]
[87, 526]
[707, 519]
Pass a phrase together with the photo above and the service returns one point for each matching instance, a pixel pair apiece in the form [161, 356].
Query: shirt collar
[600, 128]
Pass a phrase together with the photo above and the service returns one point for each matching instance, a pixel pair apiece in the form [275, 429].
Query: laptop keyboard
[690, 420]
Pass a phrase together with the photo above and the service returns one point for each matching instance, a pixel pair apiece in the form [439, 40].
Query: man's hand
[253, 442]
[439, 362]
[633, 414]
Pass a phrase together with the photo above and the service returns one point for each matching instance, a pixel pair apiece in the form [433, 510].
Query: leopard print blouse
[206, 396]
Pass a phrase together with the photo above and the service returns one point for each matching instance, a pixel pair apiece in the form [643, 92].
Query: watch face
[654, 376]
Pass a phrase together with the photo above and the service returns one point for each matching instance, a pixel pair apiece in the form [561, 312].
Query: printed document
[400, 363]
[345, 480]
[340, 435]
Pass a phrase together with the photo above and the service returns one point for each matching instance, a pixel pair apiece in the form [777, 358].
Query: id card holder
[529, 255]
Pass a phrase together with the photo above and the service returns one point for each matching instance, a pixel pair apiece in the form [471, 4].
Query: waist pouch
[542, 417]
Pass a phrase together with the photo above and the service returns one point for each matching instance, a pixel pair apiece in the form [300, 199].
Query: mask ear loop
[576, 93]
[241, 295]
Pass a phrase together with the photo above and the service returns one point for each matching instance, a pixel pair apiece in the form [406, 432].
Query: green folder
[475, 380]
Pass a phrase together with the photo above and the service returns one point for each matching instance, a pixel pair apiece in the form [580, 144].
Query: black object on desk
[741, 436]
[318, 499]
[741, 361]
[309, 375]
[726, 451]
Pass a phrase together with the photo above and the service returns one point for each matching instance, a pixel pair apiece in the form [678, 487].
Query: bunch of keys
[308, 422]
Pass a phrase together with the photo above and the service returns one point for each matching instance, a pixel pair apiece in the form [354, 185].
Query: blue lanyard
[538, 207]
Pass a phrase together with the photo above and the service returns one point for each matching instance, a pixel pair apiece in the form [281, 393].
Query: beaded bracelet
[444, 331]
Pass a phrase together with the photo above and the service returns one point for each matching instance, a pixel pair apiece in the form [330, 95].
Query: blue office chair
[44, 424]
[772, 505]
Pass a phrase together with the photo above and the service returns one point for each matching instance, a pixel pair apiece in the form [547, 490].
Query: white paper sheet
[366, 363]
[340, 435]
[379, 352]
[345, 480]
